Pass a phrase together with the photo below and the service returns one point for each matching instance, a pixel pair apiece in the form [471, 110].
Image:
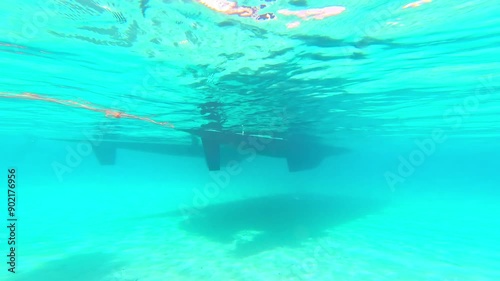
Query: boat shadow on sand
[255, 225]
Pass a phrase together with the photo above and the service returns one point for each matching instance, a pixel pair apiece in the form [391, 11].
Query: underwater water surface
[162, 140]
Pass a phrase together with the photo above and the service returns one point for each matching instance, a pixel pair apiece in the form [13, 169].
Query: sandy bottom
[276, 238]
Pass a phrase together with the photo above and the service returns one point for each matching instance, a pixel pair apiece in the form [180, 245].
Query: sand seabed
[427, 238]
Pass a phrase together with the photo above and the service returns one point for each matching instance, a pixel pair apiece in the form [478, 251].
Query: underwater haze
[155, 140]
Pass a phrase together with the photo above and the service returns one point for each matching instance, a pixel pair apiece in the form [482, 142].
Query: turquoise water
[399, 106]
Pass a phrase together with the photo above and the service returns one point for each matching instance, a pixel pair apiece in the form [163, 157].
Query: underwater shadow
[260, 224]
